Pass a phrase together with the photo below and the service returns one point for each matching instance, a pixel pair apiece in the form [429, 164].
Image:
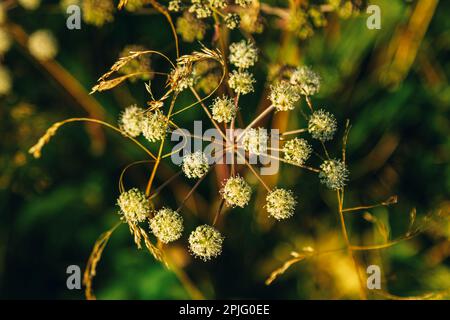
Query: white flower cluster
[223, 109]
[280, 203]
[283, 96]
[43, 45]
[334, 174]
[154, 126]
[243, 54]
[134, 205]
[130, 121]
[306, 80]
[236, 192]
[297, 151]
[241, 81]
[255, 140]
[181, 78]
[205, 242]
[167, 225]
[322, 125]
[195, 165]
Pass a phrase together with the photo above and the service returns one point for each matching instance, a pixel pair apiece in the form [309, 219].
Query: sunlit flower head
[181, 77]
[280, 203]
[130, 120]
[241, 81]
[297, 151]
[256, 140]
[232, 20]
[205, 242]
[43, 45]
[322, 125]
[200, 8]
[134, 205]
[243, 54]
[306, 80]
[154, 125]
[223, 109]
[236, 192]
[195, 165]
[334, 174]
[175, 5]
[98, 12]
[283, 96]
[167, 225]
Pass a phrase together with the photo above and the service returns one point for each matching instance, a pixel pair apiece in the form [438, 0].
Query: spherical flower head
[223, 109]
[154, 126]
[5, 41]
[218, 4]
[241, 82]
[181, 78]
[195, 165]
[134, 205]
[190, 28]
[243, 54]
[98, 12]
[130, 121]
[283, 96]
[255, 140]
[30, 4]
[140, 66]
[334, 174]
[243, 3]
[297, 151]
[5, 81]
[280, 203]
[42, 45]
[236, 192]
[205, 242]
[232, 21]
[306, 80]
[167, 225]
[175, 5]
[200, 8]
[322, 125]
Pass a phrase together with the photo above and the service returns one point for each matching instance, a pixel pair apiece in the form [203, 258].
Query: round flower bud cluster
[205, 242]
[297, 151]
[5, 81]
[306, 80]
[181, 78]
[130, 120]
[218, 4]
[139, 66]
[200, 8]
[5, 41]
[30, 4]
[175, 5]
[134, 205]
[236, 192]
[190, 28]
[154, 126]
[322, 125]
[243, 3]
[232, 21]
[280, 203]
[243, 54]
[241, 81]
[195, 165]
[334, 174]
[42, 45]
[167, 225]
[255, 140]
[223, 109]
[283, 96]
[98, 12]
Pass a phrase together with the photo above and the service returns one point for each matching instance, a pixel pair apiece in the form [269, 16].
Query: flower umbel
[42, 45]
[283, 96]
[134, 205]
[280, 203]
[306, 80]
[223, 109]
[243, 54]
[130, 121]
[241, 81]
[334, 174]
[297, 151]
[195, 165]
[255, 140]
[236, 192]
[322, 125]
[154, 126]
[167, 225]
[205, 242]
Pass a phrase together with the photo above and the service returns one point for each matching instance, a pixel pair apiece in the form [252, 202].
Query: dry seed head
[283, 96]
[190, 28]
[5, 41]
[334, 174]
[42, 45]
[232, 21]
[205, 242]
[236, 192]
[241, 81]
[140, 65]
[280, 203]
[130, 121]
[255, 140]
[306, 80]
[98, 12]
[243, 54]
[167, 225]
[223, 109]
[297, 151]
[5, 81]
[154, 126]
[195, 165]
[134, 205]
[181, 77]
[322, 125]
[30, 4]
